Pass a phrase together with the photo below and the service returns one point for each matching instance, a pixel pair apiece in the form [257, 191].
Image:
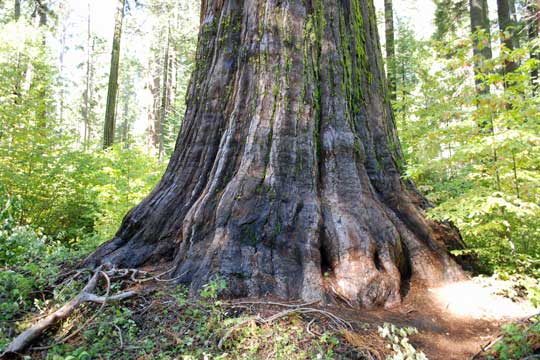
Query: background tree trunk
[478, 10]
[286, 177]
[507, 29]
[110, 111]
[87, 94]
[42, 10]
[153, 126]
[534, 32]
[17, 10]
[390, 48]
[165, 91]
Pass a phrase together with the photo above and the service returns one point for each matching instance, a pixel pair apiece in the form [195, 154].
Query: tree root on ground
[27, 337]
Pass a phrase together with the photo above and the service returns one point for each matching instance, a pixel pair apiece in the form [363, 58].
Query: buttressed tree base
[285, 179]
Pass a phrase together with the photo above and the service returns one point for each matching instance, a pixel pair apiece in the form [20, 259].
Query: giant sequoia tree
[285, 179]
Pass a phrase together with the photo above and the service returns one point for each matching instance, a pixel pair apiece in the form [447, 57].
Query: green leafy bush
[519, 341]
[476, 157]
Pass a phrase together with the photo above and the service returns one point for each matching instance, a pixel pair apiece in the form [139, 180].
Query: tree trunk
[126, 124]
[87, 94]
[17, 10]
[164, 96]
[478, 10]
[390, 48]
[42, 10]
[506, 28]
[286, 176]
[110, 111]
[153, 108]
[534, 32]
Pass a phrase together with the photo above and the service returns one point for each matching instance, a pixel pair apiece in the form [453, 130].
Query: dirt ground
[454, 321]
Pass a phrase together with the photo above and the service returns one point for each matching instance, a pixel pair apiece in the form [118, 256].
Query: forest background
[466, 104]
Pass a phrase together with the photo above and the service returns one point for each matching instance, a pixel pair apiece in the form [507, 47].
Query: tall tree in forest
[87, 94]
[112, 92]
[42, 10]
[153, 85]
[390, 48]
[507, 29]
[481, 35]
[286, 178]
[533, 7]
[165, 93]
[17, 10]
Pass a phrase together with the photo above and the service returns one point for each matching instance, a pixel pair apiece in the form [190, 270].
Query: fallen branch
[27, 337]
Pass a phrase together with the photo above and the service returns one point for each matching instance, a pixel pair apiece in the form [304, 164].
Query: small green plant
[212, 290]
[518, 342]
[398, 339]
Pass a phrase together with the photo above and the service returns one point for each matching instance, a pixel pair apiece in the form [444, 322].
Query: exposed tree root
[362, 342]
[27, 337]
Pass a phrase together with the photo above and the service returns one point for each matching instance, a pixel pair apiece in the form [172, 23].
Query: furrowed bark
[390, 48]
[286, 179]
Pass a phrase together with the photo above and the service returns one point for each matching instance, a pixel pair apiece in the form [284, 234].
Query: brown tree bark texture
[285, 179]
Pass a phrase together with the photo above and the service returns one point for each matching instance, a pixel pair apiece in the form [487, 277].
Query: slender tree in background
[533, 7]
[286, 178]
[17, 83]
[87, 94]
[153, 85]
[110, 111]
[42, 10]
[165, 93]
[478, 10]
[390, 48]
[17, 10]
[168, 71]
[507, 27]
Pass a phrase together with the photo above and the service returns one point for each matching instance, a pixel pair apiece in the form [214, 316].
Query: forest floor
[456, 321]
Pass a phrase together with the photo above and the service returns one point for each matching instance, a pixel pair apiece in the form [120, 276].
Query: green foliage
[30, 263]
[398, 339]
[519, 341]
[60, 190]
[37, 169]
[124, 177]
[175, 326]
[476, 157]
[213, 288]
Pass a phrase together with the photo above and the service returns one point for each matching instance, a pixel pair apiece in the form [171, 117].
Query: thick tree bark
[110, 111]
[478, 10]
[285, 179]
[390, 48]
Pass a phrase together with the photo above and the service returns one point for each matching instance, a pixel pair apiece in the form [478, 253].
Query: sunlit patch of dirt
[478, 299]
[454, 321]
